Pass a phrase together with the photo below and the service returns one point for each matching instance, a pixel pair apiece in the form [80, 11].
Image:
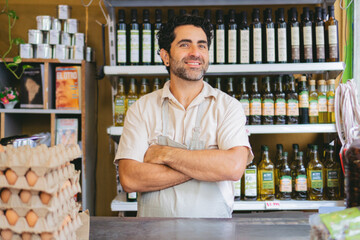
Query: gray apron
[194, 199]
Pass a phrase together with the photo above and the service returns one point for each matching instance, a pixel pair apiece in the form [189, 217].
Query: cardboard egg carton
[48, 183]
[41, 159]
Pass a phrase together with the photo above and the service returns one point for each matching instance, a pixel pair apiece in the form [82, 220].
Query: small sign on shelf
[272, 205]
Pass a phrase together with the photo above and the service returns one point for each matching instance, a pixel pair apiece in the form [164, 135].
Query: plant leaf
[12, 14]
[18, 41]
[10, 65]
[17, 59]
[26, 67]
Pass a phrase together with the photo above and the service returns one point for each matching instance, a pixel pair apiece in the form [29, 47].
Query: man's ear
[165, 57]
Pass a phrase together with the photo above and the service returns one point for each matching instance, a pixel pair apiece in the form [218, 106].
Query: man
[183, 146]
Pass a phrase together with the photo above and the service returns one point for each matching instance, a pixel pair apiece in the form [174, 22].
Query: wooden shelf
[38, 111]
[45, 60]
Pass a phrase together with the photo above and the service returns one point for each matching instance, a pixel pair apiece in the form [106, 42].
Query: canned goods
[44, 51]
[78, 52]
[54, 37]
[79, 39]
[35, 36]
[90, 55]
[26, 50]
[56, 24]
[71, 25]
[44, 22]
[61, 52]
[63, 11]
[46, 37]
[66, 39]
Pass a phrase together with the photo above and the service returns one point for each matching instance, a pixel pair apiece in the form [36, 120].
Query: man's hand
[157, 154]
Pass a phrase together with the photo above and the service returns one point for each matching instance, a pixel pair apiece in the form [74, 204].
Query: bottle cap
[315, 147]
[158, 15]
[133, 14]
[230, 79]
[121, 80]
[146, 14]
[280, 13]
[242, 79]
[300, 154]
[231, 14]
[195, 12]
[266, 79]
[285, 154]
[156, 81]
[279, 146]
[306, 12]
[256, 13]
[121, 15]
[331, 81]
[254, 79]
[265, 148]
[295, 146]
[321, 82]
[312, 82]
[143, 81]
[303, 78]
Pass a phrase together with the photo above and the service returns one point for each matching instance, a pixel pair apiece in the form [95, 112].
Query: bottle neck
[265, 156]
[278, 86]
[243, 87]
[312, 88]
[254, 87]
[302, 85]
[314, 155]
[291, 86]
[322, 88]
[132, 88]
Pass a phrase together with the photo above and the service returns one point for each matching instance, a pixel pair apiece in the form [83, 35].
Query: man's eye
[203, 46]
[184, 45]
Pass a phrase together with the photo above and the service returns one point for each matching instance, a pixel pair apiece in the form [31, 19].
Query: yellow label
[304, 99]
[301, 183]
[255, 107]
[280, 107]
[285, 184]
[322, 104]
[313, 108]
[246, 106]
[292, 108]
[331, 104]
[268, 107]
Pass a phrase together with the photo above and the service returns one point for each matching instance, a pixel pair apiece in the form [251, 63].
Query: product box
[67, 87]
[31, 88]
[66, 131]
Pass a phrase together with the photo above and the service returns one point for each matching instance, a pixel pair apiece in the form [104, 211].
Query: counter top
[269, 225]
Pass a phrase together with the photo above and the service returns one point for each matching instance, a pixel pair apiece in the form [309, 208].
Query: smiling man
[183, 146]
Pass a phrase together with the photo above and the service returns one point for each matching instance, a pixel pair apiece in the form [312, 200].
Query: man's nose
[194, 51]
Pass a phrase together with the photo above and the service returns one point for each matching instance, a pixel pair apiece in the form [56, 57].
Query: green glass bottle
[269, 37]
[207, 16]
[144, 88]
[285, 180]
[306, 41]
[299, 178]
[292, 103]
[232, 46]
[131, 197]
[278, 163]
[319, 36]
[313, 103]
[280, 34]
[255, 38]
[322, 101]
[244, 39]
[119, 104]
[132, 96]
[280, 102]
[332, 176]
[218, 83]
[249, 182]
[122, 53]
[255, 103]
[134, 39]
[220, 38]
[244, 98]
[294, 38]
[266, 177]
[157, 84]
[315, 173]
[146, 51]
[157, 25]
[267, 103]
[330, 95]
[303, 101]
[230, 87]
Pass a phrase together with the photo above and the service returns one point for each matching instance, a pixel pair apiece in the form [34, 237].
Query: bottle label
[308, 52]
[255, 107]
[320, 42]
[121, 46]
[322, 104]
[237, 185]
[146, 47]
[270, 44]
[295, 43]
[285, 184]
[220, 46]
[332, 178]
[211, 50]
[292, 107]
[119, 105]
[157, 58]
[314, 108]
[282, 49]
[331, 104]
[250, 183]
[257, 45]
[232, 46]
[134, 46]
[304, 99]
[267, 179]
[333, 41]
[244, 46]
[316, 179]
[245, 104]
[268, 107]
[280, 107]
[130, 102]
[301, 183]
[132, 195]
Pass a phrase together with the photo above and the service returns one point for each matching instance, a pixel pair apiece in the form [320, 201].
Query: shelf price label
[272, 205]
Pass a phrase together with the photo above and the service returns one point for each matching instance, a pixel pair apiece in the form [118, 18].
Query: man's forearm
[145, 177]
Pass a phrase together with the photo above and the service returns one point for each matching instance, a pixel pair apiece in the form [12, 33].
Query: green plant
[12, 66]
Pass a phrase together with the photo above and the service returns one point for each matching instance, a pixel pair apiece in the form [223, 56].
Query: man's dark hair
[166, 33]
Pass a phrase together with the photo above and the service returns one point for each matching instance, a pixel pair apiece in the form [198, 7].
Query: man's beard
[179, 70]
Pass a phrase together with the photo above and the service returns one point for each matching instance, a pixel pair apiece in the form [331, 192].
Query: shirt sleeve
[134, 138]
[232, 131]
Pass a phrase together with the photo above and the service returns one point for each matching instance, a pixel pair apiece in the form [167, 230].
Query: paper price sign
[272, 205]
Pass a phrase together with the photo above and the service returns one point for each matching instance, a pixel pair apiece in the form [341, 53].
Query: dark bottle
[134, 39]
[277, 164]
[255, 38]
[285, 180]
[244, 39]
[332, 176]
[230, 87]
[303, 101]
[195, 12]
[249, 182]
[171, 14]
[294, 37]
[144, 87]
[269, 37]
[324, 15]
[182, 12]
[332, 37]
[280, 102]
[267, 102]
[292, 103]
[146, 38]
[306, 42]
[207, 16]
[244, 98]
[157, 84]
[131, 197]
[218, 83]
[122, 52]
[319, 36]
[207, 80]
[232, 51]
[158, 19]
[299, 178]
[280, 37]
[220, 38]
[255, 103]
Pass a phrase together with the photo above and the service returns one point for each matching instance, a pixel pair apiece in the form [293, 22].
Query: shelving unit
[30, 121]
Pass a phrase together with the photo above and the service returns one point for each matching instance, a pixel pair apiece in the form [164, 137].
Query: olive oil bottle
[119, 104]
[131, 197]
[267, 103]
[255, 38]
[269, 37]
[244, 39]
[313, 103]
[230, 87]
[232, 50]
[294, 39]
[207, 16]
[244, 98]
[332, 176]
[330, 95]
[280, 102]
[332, 37]
[157, 25]
[157, 84]
[249, 182]
[122, 39]
[255, 103]
[319, 36]
[134, 39]
[322, 101]
[315, 173]
[220, 38]
[144, 88]
[285, 181]
[280, 35]
[132, 96]
[218, 83]
[306, 42]
[266, 183]
[277, 164]
[303, 101]
[292, 103]
[146, 39]
[299, 178]
[295, 148]
[237, 192]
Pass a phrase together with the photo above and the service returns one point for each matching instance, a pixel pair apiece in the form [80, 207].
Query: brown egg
[25, 196]
[6, 234]
[31, 218]
[31, 178]
[26, 236]
[11, 176]
[46, 236]
[5, 195]
[11, 217]
[45, 197]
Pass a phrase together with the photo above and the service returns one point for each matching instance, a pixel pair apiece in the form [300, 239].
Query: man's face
[63, 93]
[189, 54]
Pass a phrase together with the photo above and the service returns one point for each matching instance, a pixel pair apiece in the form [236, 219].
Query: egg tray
[41, 160]
[50, 223]
[48, 183]
[57, 199]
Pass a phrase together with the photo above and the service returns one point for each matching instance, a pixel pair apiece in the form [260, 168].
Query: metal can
[63, 11]
[46, 37]
[44, 22]
[79, 39]
[90, 54]
[35, 36]
[71, 25]
[61, 52]
[56, 24]
[66, 39]
[54, 37]
[26, 50]
[44, 51]
[77, 53]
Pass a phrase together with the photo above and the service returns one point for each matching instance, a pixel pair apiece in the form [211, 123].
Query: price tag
[272, 205]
